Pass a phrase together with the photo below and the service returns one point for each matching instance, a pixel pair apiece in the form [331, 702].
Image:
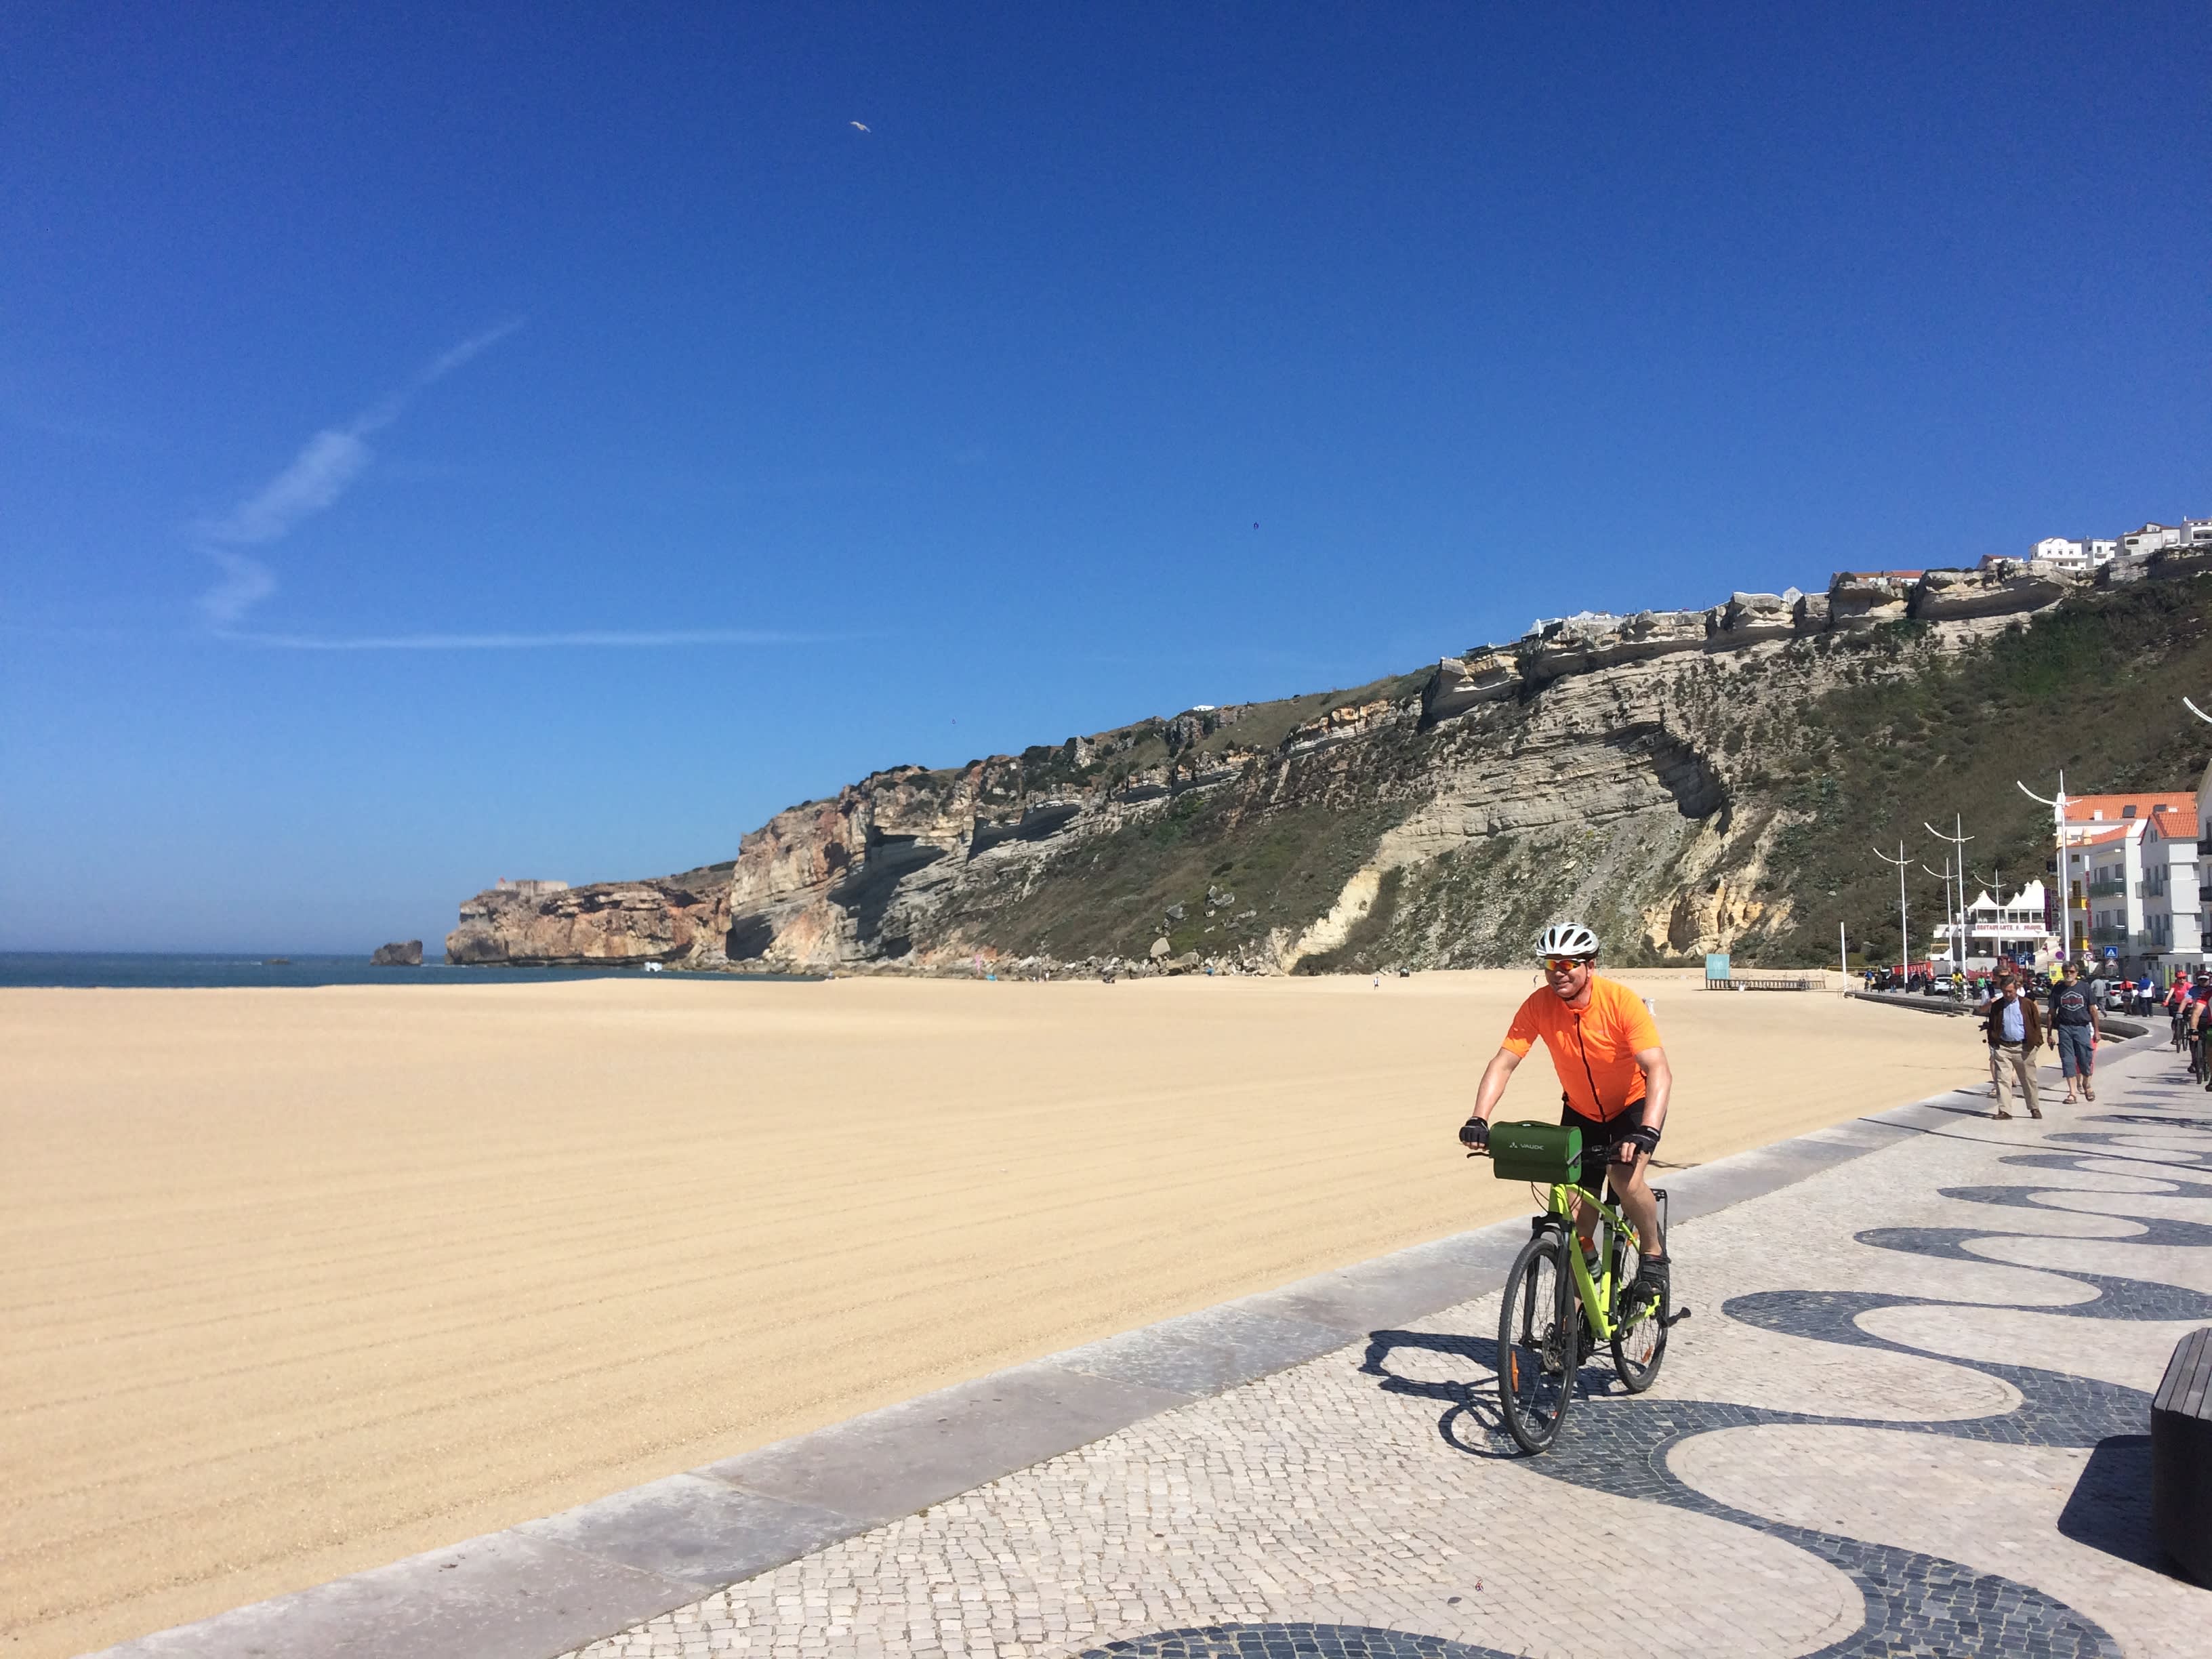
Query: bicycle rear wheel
[1536, 1341]
[1639, 1344]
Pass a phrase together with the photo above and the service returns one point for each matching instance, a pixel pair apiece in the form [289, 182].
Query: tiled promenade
[1908, 1418]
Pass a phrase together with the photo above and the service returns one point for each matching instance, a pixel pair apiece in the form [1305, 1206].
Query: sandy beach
[299, 1282]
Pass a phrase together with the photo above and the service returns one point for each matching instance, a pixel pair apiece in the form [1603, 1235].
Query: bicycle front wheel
[1536, 1334]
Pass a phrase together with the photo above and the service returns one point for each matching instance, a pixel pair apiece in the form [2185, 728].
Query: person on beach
[1614, 1082]
[2076, 1028]
[2015, 1033]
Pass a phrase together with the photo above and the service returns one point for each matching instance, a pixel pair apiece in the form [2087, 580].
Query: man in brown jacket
[2015, 1032]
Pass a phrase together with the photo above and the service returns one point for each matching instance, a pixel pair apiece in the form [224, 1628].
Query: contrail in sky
[615, 639]
[324, 468]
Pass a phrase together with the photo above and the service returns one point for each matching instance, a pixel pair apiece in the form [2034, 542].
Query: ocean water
[204, 970]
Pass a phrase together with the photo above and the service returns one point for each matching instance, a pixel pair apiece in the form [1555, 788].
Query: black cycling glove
[1475, 1132]
[1643, 1137]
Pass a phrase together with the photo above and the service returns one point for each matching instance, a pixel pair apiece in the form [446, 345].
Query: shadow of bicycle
[1473, 1422]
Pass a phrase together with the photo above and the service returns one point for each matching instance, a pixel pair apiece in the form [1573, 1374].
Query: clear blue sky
[661, 449]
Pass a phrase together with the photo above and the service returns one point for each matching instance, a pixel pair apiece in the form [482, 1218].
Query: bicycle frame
[1595, 1290]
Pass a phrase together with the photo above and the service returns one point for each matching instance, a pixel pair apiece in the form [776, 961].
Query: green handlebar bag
[1547, 1152]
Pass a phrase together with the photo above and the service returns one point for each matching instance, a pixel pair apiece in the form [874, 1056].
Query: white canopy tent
[1997, 926]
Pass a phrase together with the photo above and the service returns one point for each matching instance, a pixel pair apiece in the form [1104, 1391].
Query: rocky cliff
[683, 919]
[1658, 775]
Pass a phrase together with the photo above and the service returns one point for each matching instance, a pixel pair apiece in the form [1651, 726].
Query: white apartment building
[2152, 538]
[2084, 554]
[2173, 896]
[2130, 880]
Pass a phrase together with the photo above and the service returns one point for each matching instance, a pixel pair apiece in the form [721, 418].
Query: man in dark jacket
[2015, 1033]
[2076, 1028]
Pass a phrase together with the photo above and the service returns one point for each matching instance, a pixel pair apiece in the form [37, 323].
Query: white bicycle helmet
[1566, 938]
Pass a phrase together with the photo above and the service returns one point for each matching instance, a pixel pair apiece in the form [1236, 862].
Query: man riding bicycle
[1613, 1080]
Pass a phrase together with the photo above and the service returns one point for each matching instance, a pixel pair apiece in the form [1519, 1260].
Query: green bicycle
[1560, 1303]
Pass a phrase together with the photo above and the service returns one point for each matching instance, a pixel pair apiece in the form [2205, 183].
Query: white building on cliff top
[2085, 554]
[2067, 554]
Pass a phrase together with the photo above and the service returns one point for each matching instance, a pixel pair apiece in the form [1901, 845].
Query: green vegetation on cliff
[1823, 750]
[1678, 800]
[2093, 687]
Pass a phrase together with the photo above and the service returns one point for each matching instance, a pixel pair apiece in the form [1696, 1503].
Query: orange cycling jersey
[1594, 1049]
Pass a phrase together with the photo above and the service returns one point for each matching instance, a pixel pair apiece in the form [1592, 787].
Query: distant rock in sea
[409, 955]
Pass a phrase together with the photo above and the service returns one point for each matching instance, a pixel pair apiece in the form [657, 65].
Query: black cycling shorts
[1600, 1137]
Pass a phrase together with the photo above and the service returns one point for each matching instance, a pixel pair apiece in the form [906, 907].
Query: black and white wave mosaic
[1917, 1606]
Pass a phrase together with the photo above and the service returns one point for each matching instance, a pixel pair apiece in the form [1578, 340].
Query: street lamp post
[1958, 838]
[1904, 934]
[2057, 804]
[1950, 923]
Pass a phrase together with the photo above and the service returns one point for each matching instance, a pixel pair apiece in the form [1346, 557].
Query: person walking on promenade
[2075, 1030]
[2015, 1033]
[2196, 1020]
[1993, 990]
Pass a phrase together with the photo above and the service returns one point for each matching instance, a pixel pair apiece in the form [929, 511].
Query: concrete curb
[549, 1585]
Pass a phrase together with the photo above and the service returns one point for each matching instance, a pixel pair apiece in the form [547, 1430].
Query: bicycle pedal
[1674, 1319]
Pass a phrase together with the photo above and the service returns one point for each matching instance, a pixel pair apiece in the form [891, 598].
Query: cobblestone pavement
[1908, 1418]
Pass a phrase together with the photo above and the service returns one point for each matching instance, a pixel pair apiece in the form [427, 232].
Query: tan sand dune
[299, 1282]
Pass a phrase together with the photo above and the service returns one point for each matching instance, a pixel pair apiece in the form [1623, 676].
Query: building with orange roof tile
[2131, 879]
[2174, 887]
[2118, 809]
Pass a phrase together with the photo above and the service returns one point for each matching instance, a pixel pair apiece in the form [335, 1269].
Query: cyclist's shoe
[1585, 1341]
[1647, 1291]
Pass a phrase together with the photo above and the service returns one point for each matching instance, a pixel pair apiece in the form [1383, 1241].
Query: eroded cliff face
[1603, 766]
[679, 918]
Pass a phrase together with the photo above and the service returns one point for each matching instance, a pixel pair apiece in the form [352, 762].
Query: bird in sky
[859, 126]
